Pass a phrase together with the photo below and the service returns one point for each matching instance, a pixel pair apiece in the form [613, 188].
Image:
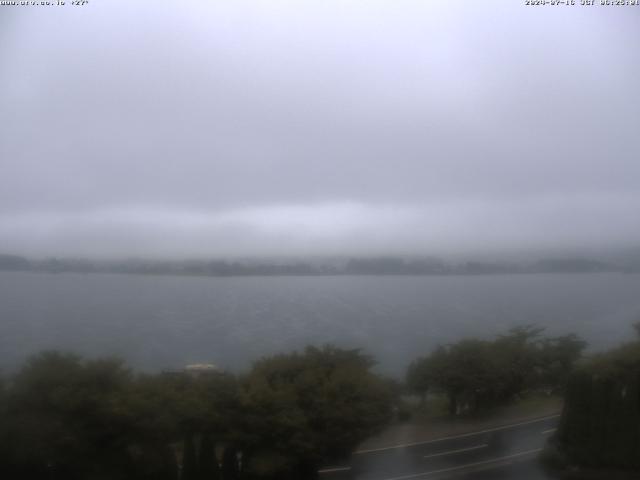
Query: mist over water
[215, 129]
[196, 184]
[157, 323]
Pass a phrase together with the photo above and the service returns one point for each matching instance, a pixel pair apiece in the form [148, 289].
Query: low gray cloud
[252, 128]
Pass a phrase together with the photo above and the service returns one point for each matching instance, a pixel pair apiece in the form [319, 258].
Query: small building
[200, 369]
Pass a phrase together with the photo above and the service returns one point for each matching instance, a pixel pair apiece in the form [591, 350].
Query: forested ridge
[314, 267]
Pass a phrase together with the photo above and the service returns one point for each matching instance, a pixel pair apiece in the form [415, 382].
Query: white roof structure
[202, 368]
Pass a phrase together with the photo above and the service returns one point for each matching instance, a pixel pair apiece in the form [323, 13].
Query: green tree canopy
[475, 373]
[64, 417]
[305, 408]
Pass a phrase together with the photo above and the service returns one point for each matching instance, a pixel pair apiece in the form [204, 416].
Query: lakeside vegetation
[600, 426]
[476, 375]
[62, 416]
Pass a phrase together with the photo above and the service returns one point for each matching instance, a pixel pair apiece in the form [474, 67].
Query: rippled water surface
[166, 322]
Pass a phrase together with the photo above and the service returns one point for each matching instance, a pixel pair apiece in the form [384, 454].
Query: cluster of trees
[600, 424]
[475, 374]
[64, 417]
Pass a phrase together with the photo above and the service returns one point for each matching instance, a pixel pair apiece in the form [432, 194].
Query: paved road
[504, 452]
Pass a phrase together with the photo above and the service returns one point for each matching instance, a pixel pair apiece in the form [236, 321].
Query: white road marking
[468, 465]
[454, 437]
[334, 469]
[547, 432]
[460, 450]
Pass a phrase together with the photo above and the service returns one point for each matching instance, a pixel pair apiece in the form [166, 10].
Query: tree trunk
[189, 459]
[453, 404]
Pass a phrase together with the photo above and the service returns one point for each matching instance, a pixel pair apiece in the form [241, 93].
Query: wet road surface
[503, 452]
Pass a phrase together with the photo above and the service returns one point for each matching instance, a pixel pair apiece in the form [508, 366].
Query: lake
[165, 322]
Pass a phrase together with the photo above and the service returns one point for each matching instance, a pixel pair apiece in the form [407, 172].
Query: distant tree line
[64, 417]
[352, 266]
[477, 374]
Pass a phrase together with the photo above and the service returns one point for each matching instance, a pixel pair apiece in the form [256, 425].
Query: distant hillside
[348, 266]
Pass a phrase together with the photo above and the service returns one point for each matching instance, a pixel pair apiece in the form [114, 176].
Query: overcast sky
[217, 128]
